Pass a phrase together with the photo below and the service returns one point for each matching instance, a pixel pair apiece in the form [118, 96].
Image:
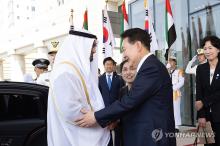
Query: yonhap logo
[157, 134]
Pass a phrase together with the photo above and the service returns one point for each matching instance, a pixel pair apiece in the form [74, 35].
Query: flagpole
[71, 20]
[106, 4]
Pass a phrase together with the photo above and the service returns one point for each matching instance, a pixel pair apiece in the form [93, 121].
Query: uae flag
[85, 21]
[150, 29]
[124, 21]
[210, 24]
[170, 33]
[108, 37]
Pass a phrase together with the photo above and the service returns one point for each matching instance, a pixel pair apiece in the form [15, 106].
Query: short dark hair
[137, 34]
[109, 59]
[122, 64]
[215, 41]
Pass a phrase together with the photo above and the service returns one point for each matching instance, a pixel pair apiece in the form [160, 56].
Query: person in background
[177, 78]
[128, 73]
[44, 78]
[110, 84]
[208, 87]
[190, 69]
[40, 66]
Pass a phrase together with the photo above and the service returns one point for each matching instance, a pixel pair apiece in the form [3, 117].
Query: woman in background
[128, 73]
[208, 87]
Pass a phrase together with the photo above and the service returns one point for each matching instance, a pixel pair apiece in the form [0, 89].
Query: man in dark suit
[148, 109]
[110, 84]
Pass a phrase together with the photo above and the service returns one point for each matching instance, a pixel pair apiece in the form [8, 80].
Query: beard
[91, 57]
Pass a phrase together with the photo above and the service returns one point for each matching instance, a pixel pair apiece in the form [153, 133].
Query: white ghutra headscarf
[67, 94]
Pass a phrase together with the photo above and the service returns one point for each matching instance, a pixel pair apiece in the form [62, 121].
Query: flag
[169, 28]
[108, 37]
[200, 31]
[85, 21]
[189, 45]
[124, 21]
[149, 28]
[146, 23]
[210, 25]
[184, 47]
[185, 50]
[195, 44]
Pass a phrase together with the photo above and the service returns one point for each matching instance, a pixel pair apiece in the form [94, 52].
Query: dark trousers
[110, 141]
[118, 137]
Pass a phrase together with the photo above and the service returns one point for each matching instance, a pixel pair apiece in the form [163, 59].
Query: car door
[23, 109]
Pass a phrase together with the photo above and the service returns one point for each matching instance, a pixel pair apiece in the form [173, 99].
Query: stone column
[1, 70]
[17, 65]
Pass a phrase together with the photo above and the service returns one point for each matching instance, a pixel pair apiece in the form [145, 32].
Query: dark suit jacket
[208, 94]
[148, 107]
[110, 96]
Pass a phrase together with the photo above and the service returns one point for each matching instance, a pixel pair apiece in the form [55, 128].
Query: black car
[23, 112]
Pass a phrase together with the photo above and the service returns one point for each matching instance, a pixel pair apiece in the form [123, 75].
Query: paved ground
[183, 141]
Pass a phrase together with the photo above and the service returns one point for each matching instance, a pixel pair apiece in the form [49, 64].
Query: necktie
[109, 81]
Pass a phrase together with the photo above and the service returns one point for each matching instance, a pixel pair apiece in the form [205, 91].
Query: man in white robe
[74, 64]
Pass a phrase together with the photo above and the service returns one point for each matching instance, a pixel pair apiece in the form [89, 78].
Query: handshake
[88, 120]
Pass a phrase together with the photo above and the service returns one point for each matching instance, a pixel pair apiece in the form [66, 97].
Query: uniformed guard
[44, 78]
[177, 78]
[190, 69]
[40, 66]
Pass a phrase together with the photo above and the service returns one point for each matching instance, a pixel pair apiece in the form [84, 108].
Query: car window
[16, 106]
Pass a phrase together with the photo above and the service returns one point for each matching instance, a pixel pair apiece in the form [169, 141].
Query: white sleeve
[40, 80]
[189, 68]
[68, 94]
[180, 82]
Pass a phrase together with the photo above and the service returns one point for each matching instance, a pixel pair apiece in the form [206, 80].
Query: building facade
[45, 21]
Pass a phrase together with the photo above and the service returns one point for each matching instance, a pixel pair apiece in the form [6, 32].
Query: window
[14, 107]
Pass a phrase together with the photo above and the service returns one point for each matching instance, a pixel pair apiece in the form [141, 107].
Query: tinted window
[14, 106]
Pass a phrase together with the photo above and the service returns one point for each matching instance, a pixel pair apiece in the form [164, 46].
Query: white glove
[194, 58]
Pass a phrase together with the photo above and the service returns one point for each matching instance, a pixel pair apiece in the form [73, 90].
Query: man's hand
[202, 122]
[112, 125]
[198, 105]
[87, 120]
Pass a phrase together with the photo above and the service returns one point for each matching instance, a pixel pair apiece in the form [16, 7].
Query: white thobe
[66, 99]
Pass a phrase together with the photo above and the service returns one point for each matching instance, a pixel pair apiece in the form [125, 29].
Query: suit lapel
[216, 74]
[207, 74]
[105, 81]
[114, 77]
[149, 58]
